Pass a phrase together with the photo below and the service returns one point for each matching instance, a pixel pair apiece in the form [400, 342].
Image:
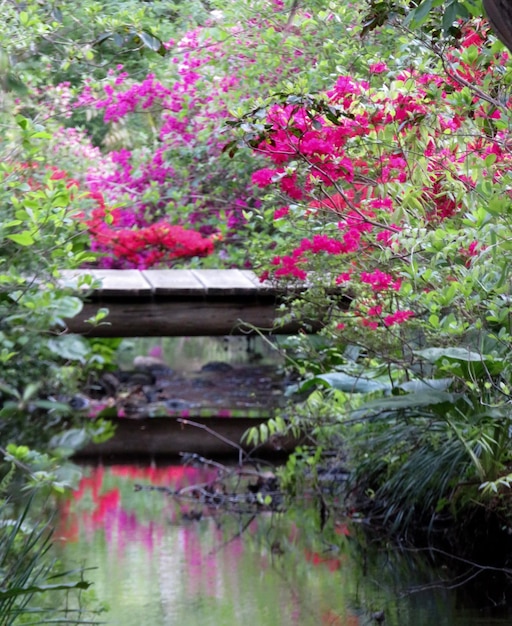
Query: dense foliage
[394, 186]
[374, 169]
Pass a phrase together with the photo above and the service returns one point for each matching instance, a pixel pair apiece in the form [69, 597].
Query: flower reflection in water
[158, 567]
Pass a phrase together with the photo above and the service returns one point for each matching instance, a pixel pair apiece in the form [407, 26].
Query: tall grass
[33, 589]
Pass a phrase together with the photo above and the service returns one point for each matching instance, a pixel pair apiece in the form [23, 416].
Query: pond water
[189, 354]
[163, 562]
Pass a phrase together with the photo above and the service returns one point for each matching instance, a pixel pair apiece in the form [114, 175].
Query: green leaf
[68, 306]
[30, 391]
[119, 40]
[15, 84]
[70, 441]
[56, 14]
[415, 386]
[31, 589]
[70, 347]
[352, 384]
[408, 401]
[23, 239]
[451, 13]
[150, 41]
[22, 122]
[9, 390]
[51, 405]
[103, 37]
[459, 354]
[418, 15]
[490, 159]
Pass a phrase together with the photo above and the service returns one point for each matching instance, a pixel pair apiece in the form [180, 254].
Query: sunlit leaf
[69, 347]
[23, 239]
[352, 384]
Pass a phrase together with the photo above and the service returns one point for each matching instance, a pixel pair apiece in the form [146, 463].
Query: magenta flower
[281, 212]
[378, 68]
[380, 281]
[399, 317]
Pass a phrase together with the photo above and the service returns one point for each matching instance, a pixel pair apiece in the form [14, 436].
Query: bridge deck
[177, 303]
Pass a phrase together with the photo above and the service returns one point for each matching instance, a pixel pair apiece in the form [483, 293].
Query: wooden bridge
[179, 303]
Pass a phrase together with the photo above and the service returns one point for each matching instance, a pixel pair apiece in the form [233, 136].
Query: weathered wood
[167, 437]
[179, 319]
[110, 282]
[178, 303]
[226, 283]
[174, 283]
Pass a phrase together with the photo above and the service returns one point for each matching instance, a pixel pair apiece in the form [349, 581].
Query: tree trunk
[499, 13]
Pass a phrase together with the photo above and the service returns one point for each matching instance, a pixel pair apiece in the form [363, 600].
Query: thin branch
[241, 451]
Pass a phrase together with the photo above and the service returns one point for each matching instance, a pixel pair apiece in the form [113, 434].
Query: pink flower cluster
[188, 115]
[333, 140]
[140, 247]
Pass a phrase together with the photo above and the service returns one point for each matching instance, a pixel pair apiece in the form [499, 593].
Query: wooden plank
[226, 283]
[180, 319]
[169, 437]
[117, 283]
[174, 283]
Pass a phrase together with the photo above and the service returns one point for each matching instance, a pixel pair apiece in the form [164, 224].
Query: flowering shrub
[180, 178]
[395, 187]
[163, 136]
[172, 165]
[375, 163]
[142, 247]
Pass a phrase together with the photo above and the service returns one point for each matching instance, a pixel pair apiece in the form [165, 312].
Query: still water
[155, 566]
[189, 354]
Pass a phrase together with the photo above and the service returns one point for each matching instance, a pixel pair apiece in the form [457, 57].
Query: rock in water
[151, 364]
[217, 366]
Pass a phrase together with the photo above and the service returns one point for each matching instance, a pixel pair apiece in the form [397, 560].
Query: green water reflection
[155, 568]
[189, 354]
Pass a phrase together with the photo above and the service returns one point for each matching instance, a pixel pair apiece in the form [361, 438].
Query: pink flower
[385, 236]
[281, 212]
[380, 281]
[343, 278]
[263, 177]
[378, 68]
[399, 317]
[58, 175]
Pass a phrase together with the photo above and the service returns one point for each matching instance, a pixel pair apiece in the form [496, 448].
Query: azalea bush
[392, 190]
[165, 160]
[148, 137]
